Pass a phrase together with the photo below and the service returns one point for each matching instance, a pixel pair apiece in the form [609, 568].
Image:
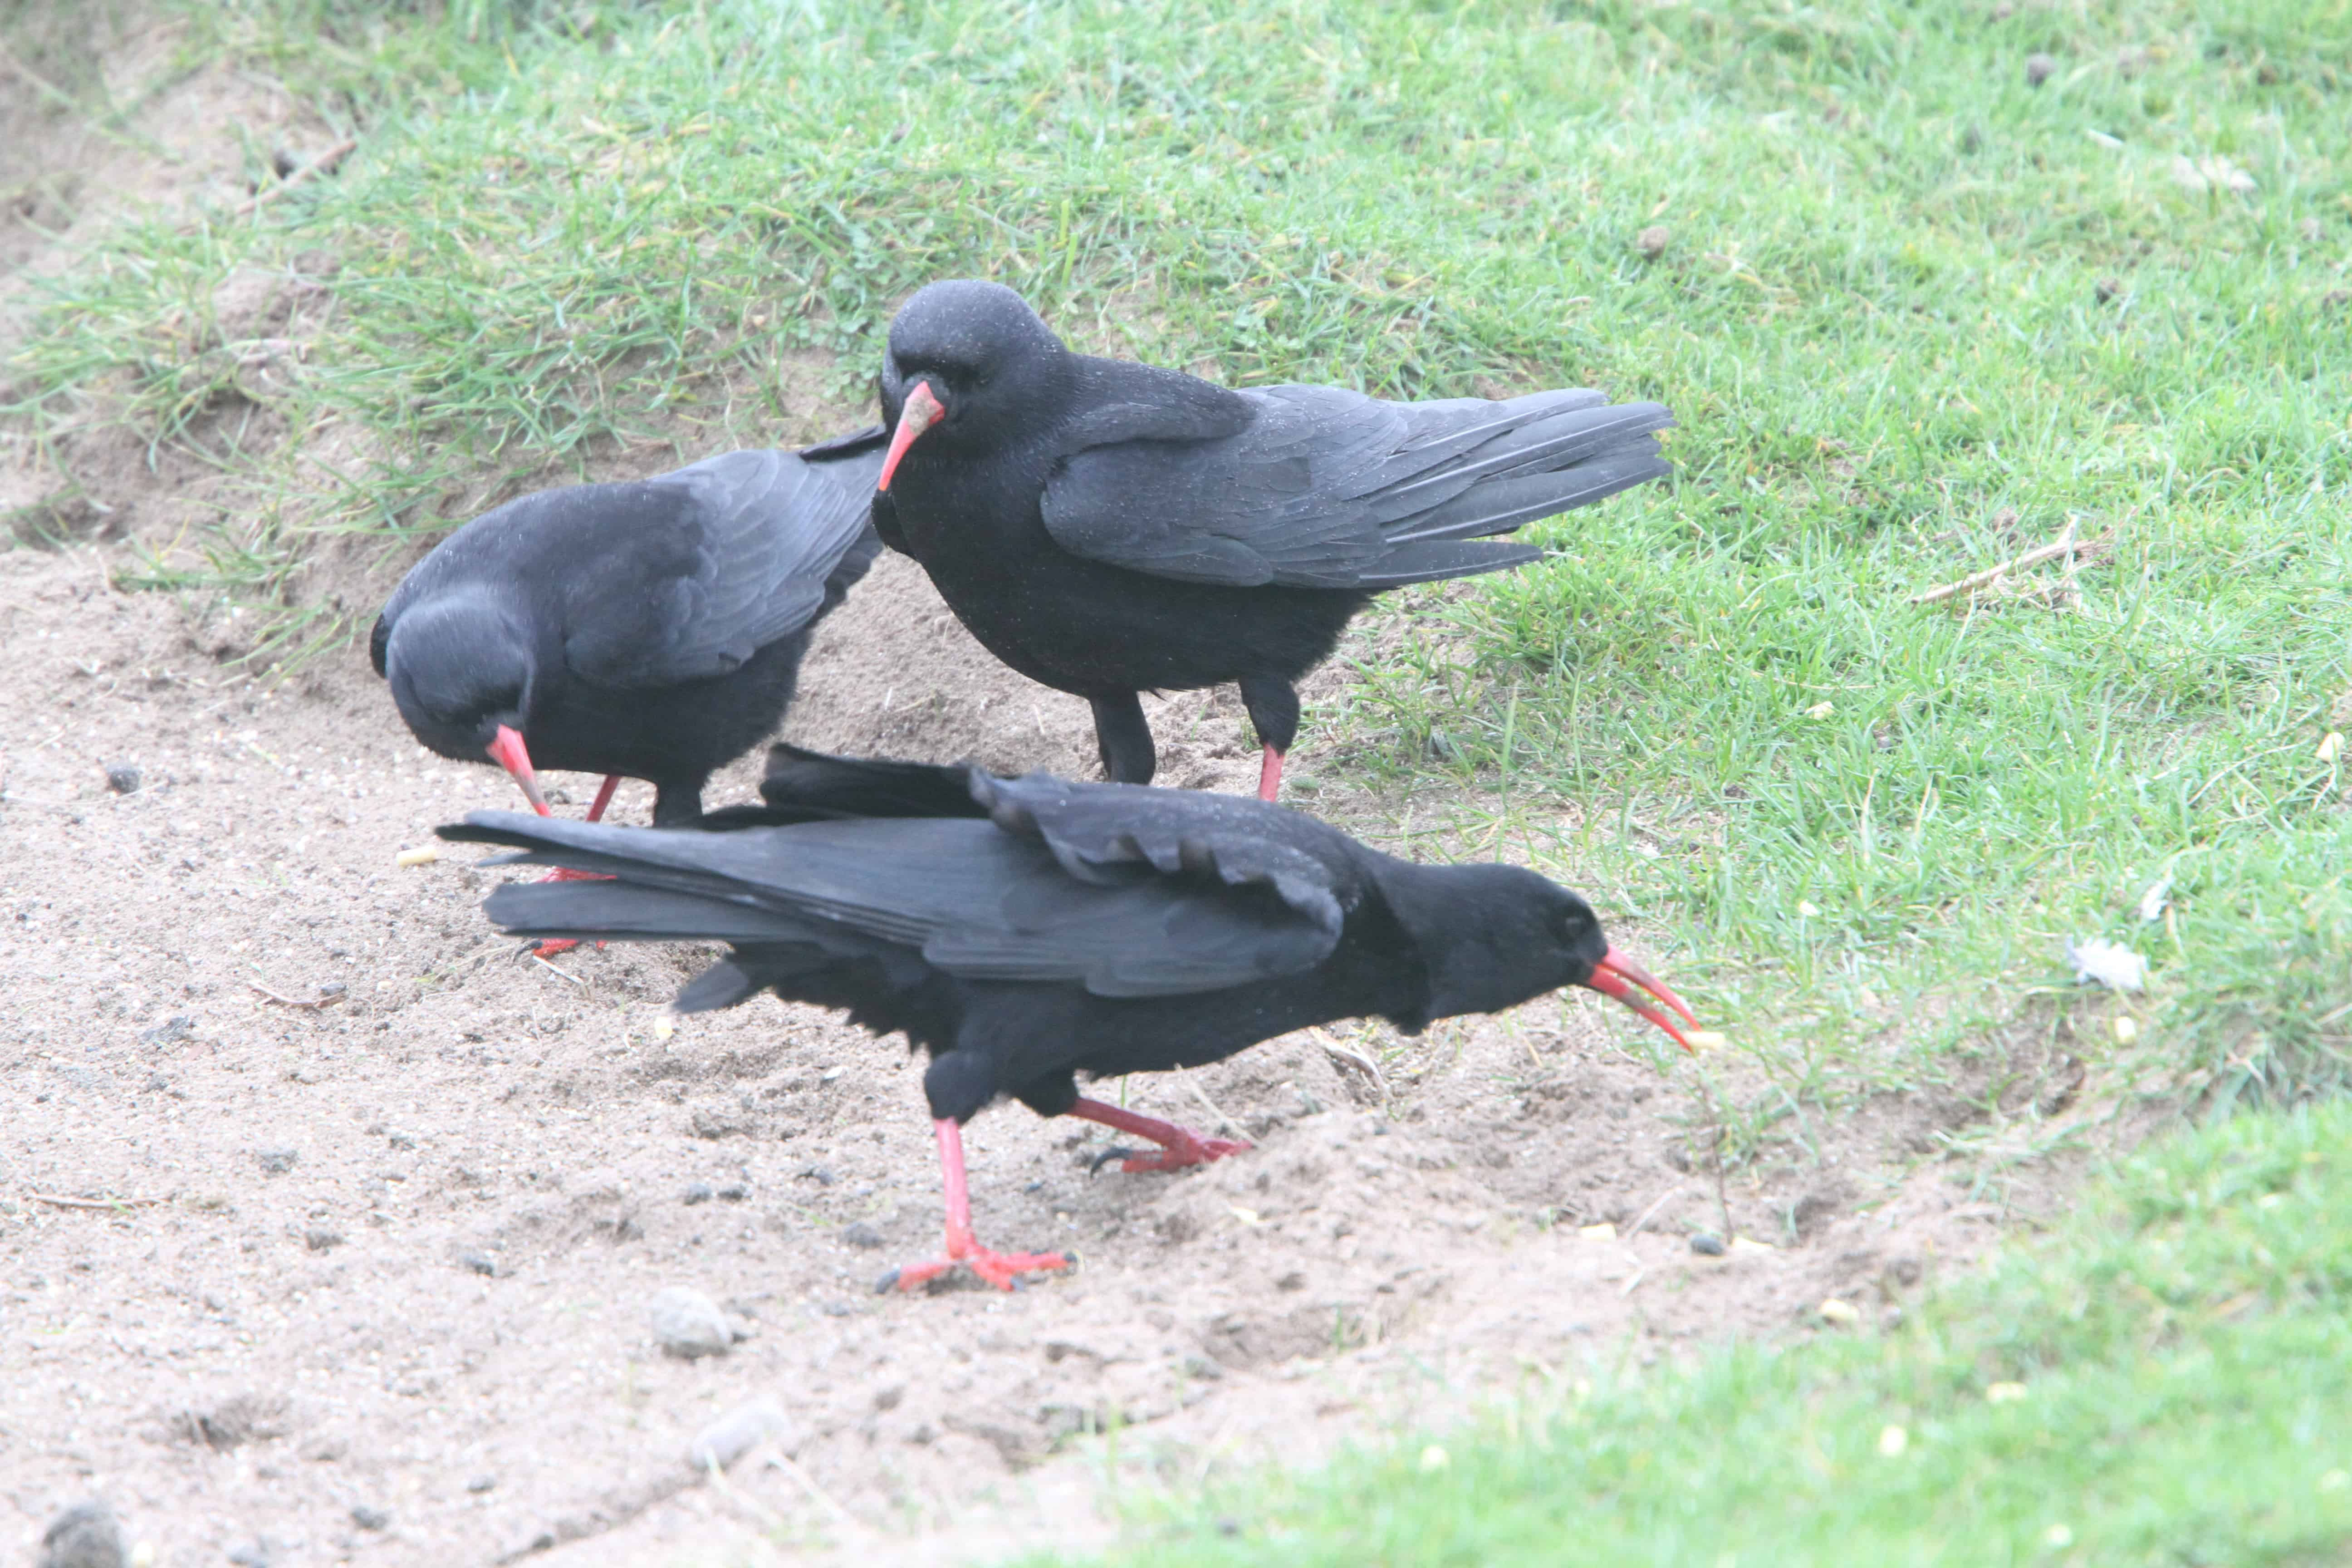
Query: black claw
[887, 1283]
[1108, 1155]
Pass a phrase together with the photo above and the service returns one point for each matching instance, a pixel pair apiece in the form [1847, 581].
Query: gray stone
[83, 1536]
[1706, 1244]
[857, 1232]
[688, 1323]
[277, 1162]
[368, 1518]
[122, 778]
[736, 1434]
[697, 1192]
[478, 1263]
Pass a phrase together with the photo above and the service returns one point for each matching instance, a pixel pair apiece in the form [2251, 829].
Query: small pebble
[83, 1536]
[481, 1483]
[696, 1193]
[2039, 69]
[254, 1554]
[368, 1518]
[319, 1239]
[857, 1232]
[1652, 242]
[735, 1434]
[400, 1140]
[843, 1308]
[690, 1324]
[478, 1263]
[1706, 1244]
[733, 1192]
[173, 1029]
[277, 1162]
[122, 778]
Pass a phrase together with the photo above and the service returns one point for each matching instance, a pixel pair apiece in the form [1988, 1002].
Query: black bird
[1023, 932]
[651, 629]
[1108, 528]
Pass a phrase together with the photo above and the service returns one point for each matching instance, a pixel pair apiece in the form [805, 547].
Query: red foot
[999, 1268]
[510, 752]
[1193, 1150]
[1179, 1146]
[550, 946]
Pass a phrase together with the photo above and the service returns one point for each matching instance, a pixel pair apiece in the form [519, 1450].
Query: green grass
[2184, 1353]
[1915, 315]
[1912, 312]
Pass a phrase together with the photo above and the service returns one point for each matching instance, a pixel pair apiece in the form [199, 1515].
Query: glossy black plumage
[1051, 928]
[1107, 527]
[651, 629]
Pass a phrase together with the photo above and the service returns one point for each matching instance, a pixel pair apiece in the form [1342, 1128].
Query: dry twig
[2078, 552]
[1209, 1105]
[1348, 1057]
[290, 1002]
[63, 1201]
[324, 163]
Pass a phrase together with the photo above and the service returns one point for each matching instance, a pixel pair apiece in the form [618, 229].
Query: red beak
[505, 748]
[922, 411]
[1616, 975]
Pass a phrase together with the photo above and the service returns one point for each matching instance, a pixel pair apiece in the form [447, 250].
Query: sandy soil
[329, 1226]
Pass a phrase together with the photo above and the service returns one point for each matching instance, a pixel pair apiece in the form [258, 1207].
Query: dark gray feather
[1325, 486]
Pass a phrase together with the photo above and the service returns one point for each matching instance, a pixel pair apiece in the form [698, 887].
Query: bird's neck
[1468, 925]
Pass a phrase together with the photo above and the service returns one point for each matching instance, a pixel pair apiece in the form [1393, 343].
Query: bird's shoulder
[1120, 401]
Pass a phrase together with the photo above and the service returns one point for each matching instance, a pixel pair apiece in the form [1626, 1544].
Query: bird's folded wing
[761, 542]
[1325, 487]
[976, 900]
[1108, 832]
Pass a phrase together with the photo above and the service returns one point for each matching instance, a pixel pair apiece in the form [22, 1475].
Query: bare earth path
[394, 1252]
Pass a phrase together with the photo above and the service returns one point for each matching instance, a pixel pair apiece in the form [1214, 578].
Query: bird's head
[461, 670]
[967, 360]
[1496, 936]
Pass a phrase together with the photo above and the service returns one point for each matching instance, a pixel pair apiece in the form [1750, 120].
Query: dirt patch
[329, 1228]
[396, 1203]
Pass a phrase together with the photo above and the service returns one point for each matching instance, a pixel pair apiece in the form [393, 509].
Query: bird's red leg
[999, 1268]
[1269, 775]
[603, 797]
[508, 752]
[1179, 1146]
[553, 945]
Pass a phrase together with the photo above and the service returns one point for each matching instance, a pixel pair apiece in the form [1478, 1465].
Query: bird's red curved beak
[507, 750]
[922, 411]
[1616, 975]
